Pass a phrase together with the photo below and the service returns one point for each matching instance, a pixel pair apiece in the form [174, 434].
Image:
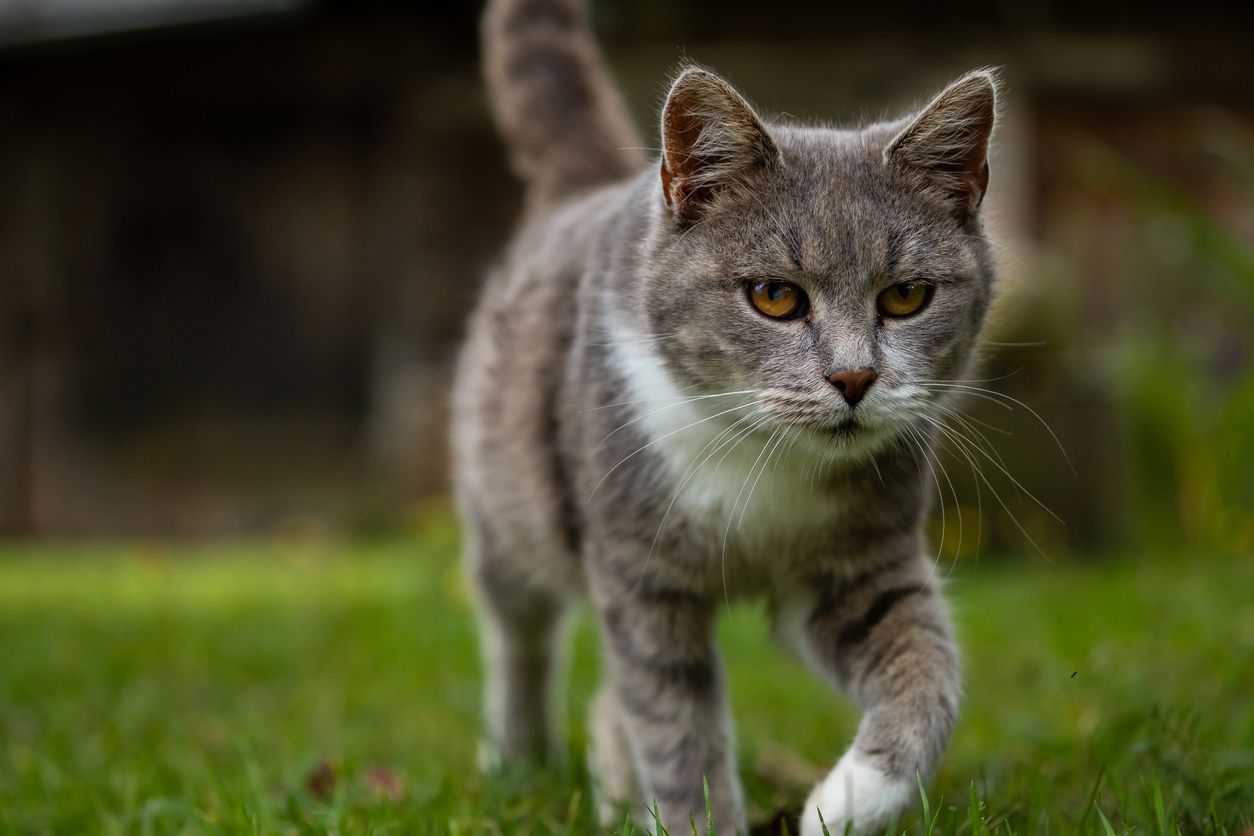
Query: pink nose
[853, 383]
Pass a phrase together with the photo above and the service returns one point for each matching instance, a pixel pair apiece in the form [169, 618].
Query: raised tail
[563, 120]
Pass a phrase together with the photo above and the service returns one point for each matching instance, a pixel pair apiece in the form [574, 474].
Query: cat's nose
[852, 383]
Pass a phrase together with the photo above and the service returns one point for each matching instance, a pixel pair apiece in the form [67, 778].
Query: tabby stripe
[906, 637]
[858, 631]
[649, 590]
[676, 793]
[677, 748]
[645, 709]
[695, 675]
[835, 589]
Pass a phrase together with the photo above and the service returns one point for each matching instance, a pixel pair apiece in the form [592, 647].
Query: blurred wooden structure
[234, 258]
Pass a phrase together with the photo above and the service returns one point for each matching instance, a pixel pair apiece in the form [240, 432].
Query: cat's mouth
[847, 428]
[838, 431]
[797, 409]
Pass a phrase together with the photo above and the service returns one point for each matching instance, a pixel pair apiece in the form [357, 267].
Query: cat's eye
[777, 299]
[904, 299]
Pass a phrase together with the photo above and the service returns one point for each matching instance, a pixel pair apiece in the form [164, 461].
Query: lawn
[309, 686]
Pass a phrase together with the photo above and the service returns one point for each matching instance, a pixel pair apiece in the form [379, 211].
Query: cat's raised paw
[858, 792]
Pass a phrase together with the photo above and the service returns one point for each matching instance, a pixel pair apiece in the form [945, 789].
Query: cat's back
[511, 393]
[525, 319]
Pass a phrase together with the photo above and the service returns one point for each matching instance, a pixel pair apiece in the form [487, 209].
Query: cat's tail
[563, 120]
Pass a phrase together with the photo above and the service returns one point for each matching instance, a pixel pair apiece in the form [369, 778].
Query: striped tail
[562, 118]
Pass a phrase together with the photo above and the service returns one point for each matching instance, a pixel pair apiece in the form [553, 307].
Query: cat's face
[832, 288]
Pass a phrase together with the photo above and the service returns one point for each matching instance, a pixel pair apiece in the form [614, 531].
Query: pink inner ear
[712, 143]
[980, 184]
[970, 170]
[972, 173]
[680, 134]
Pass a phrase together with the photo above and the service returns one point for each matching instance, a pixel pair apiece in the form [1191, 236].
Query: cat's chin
[851, 440]
[850, 429]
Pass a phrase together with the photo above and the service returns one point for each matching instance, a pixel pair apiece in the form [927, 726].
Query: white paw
[857, 792]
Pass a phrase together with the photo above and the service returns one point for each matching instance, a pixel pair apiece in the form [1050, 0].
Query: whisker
[979, 504]
[795, 434]
[727, 530]
[680, 398]
[973, 379]
[875, 464]
[645, 415]
[963, 442]
[981, 395]
[970, 419]
[634, 341]
[999, 466]
[924, 449]
[754, 487]
[729, 436]
[660, 438]
[957, 507]
[792, 434]
[992, 394]
[1000, 344]
[976, 435]
[762, 421]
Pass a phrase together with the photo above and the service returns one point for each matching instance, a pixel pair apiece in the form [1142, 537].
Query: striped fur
[564, 121]
[629, 431]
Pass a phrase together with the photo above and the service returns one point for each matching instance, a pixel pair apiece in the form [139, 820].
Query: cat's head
[837, 277]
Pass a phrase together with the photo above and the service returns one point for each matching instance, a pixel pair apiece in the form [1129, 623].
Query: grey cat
[714, 376]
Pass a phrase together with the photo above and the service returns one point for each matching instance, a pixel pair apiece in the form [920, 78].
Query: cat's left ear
[947, 143]
[713, 144]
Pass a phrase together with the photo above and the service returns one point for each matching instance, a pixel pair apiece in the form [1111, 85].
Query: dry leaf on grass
[320, 781]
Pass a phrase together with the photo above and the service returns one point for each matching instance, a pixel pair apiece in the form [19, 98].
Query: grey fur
[624, 287]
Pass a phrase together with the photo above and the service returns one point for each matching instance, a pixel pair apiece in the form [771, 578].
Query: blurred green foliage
[1130, 331]
[306, 687]
[1181, 361]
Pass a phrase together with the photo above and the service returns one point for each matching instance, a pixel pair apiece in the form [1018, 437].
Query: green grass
[158, 690]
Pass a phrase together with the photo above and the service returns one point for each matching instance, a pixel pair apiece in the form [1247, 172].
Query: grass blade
[1106, 828]
[710, 828]
[1160, 812]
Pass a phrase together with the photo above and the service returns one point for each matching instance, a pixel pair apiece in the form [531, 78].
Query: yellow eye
[778, 300]
[904, 299]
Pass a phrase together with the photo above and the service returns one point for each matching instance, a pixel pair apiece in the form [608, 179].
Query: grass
[313, 688]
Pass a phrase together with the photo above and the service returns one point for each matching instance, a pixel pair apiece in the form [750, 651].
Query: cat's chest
[743, 487]
[729, 472]
[754, 479]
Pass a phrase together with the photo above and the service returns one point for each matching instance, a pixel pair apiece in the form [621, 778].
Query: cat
[711, 376]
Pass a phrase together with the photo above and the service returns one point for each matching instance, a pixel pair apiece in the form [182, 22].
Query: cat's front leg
[886, 638]
[663, 668]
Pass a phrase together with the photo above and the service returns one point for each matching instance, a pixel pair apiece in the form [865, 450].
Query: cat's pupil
[904, 290]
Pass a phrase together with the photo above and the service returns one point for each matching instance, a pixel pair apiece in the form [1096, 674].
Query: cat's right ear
[713, 144]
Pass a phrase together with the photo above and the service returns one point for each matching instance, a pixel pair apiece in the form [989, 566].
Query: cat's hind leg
[609, 759]
[520, 629]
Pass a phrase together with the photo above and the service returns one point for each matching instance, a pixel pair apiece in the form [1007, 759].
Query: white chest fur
[729, 463]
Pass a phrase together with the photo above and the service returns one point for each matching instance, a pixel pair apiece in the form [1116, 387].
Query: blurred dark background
[238, 239]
